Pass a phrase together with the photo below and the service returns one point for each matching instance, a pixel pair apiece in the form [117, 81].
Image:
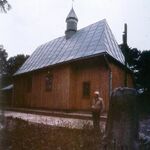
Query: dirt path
[51, 120]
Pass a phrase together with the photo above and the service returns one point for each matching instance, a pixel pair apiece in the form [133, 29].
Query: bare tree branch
[4, 6]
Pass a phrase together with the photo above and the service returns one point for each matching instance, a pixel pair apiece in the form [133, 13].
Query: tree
[131, 54]
[133, 57]
[3, 60]
[10, 66]
[14, 63]
[139, 62]
[4, 6]
[143, 71]
[3, 64]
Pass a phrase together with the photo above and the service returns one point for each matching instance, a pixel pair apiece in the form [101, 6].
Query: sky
[31, 23]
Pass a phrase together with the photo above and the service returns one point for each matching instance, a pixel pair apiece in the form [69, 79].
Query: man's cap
[96, 92]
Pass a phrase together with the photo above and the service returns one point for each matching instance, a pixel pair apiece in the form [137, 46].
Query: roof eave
[118, 62]
[65, 62]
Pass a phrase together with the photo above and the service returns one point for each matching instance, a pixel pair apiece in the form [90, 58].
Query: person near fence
[97, 109]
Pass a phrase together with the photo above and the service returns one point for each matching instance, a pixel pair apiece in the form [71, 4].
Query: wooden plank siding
[18, 92]
[118, 77]
[38, 97]
[67, 85]
[94, 72]
[58, 98]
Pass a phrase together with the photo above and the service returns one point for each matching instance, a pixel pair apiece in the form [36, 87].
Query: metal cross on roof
[72, 3]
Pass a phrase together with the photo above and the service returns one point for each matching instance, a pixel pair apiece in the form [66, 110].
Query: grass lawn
[22, 135]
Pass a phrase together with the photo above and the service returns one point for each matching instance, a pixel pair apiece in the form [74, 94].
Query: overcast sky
[33, 22]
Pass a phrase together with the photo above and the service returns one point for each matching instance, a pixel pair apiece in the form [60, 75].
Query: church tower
[71, 21]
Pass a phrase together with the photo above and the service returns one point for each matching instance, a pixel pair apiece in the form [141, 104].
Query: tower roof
[72, 15]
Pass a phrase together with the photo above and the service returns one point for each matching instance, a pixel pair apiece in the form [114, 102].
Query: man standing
[97, 108]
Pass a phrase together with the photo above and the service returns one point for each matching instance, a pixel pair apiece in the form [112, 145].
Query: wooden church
[64, 73]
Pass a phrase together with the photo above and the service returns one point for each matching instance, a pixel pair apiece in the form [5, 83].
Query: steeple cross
[72, 3]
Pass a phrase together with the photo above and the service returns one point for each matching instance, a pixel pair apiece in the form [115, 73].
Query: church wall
[67, 89]
[19, 91]
[67, 85]
[118, 77]
[58, 98]
[94, 72]
[39, 97]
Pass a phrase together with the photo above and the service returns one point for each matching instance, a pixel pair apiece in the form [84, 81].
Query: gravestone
[122, 124]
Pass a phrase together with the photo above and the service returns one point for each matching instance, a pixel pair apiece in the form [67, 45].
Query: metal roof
[92, 40]
[72, 14]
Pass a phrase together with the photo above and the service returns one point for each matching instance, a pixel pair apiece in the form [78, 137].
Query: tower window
[86, 89]
[48, 82]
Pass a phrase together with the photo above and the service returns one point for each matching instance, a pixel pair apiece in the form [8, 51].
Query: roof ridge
[103, 20]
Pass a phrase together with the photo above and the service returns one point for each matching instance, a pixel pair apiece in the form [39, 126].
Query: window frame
[49, 82]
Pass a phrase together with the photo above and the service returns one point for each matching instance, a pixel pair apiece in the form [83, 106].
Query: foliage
[9, 66]
[133, 57]
[4, 6]
[3, 60]
[143, 74]
[139, 62]
[15, 62]
[3, 65]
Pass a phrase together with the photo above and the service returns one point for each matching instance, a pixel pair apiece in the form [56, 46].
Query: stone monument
[122, 123]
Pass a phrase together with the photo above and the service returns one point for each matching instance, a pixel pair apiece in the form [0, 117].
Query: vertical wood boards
[67, 85]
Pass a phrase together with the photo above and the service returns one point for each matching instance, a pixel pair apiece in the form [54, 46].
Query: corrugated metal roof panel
[93, 39]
